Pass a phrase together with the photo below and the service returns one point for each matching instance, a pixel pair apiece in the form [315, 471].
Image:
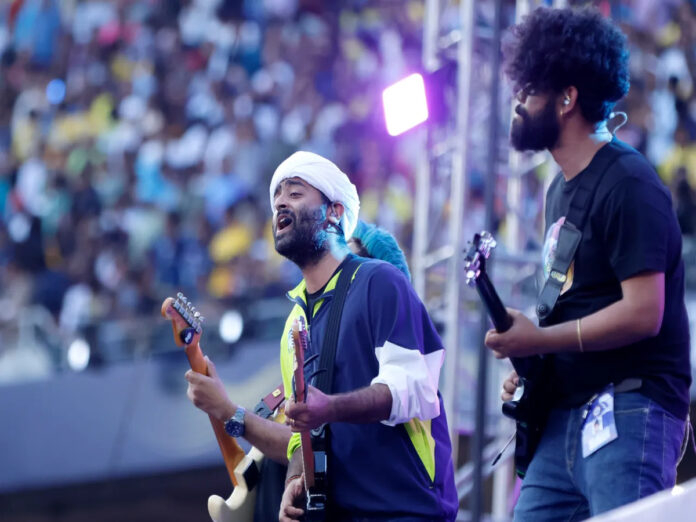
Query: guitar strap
[327, 358]
[267, 406]
[570, 233]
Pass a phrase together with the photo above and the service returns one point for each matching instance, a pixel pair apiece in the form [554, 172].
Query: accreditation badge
[599, 428]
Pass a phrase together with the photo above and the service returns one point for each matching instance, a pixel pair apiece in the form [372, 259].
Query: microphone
[624, 117]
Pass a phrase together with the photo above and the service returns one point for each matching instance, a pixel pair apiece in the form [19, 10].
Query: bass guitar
[529, 405]
[312, 443]
[243, 468]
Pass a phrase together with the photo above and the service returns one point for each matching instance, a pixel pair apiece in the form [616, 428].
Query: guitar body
[530, 404]
[243, 469]
[313, 444]
[240, 504]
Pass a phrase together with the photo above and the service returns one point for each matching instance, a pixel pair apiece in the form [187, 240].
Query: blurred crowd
[138, 137]
[661, 104]
[660, 108]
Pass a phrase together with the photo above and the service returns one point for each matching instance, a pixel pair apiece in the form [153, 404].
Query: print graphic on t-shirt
[549, 254]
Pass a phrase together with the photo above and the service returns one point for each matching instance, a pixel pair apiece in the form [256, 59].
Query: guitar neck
[527, 367]
[232, 452]
[305, 437]
[300, 396]
[496, 310]
[307, 459]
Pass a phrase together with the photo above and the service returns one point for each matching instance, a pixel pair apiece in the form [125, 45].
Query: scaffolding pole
[458, 198]
[455, 146]
[479, 441]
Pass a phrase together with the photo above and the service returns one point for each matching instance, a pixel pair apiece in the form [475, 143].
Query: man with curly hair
[614, 339]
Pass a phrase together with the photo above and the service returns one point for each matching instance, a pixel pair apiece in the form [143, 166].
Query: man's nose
[280, 202]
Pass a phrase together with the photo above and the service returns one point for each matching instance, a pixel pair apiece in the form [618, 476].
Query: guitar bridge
[315, 510]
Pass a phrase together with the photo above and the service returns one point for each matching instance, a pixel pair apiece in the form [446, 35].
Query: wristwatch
[234, 426]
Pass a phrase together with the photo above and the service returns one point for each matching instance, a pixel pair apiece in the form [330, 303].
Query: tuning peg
[201, 319]
[196, 315]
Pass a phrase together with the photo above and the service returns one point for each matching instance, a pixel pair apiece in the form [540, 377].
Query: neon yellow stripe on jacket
[420, 434]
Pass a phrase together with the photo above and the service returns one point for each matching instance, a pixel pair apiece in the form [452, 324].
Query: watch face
[234, 428]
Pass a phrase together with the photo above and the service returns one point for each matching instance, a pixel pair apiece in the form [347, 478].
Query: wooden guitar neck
[300, 342]
[187, 333]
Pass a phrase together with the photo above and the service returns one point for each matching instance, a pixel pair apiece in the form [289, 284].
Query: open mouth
[283, 222]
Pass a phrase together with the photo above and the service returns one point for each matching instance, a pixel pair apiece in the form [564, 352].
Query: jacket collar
[299, 295]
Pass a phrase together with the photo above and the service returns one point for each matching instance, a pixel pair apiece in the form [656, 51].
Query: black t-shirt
[631, 228]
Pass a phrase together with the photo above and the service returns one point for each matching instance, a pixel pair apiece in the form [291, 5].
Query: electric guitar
[529, 405]
[313, 448]
[243, 469]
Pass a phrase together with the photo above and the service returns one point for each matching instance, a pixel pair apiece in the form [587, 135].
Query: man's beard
[535, 132]
[307, 242]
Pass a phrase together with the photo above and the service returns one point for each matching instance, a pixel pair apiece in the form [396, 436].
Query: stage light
[78, 355]
[405, 104]
[231, 326]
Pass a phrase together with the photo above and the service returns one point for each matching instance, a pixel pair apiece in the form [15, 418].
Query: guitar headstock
[475, 260]
[299, 339]
[299, 342]
[186, 320]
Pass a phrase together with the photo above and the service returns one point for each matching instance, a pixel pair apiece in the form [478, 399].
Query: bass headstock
[187, 322]
[479, 251]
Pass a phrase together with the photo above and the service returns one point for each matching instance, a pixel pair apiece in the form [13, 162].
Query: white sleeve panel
[413, 380]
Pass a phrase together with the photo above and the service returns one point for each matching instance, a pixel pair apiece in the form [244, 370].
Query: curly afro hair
[556, 48]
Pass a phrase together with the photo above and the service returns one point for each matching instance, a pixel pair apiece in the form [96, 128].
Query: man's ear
[569, 99]
[335, 212]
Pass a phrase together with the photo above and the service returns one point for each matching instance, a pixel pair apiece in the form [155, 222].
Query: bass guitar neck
[528, 406]
[494, 305]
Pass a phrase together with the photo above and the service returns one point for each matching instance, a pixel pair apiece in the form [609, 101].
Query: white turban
[327, 178]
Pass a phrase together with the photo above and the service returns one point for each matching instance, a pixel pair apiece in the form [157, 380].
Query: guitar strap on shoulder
[327, 358]
[570, 232]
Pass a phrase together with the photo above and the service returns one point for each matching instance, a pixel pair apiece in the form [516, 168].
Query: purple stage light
[405, 104]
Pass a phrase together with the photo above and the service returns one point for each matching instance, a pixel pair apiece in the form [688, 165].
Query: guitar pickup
[319, 464]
